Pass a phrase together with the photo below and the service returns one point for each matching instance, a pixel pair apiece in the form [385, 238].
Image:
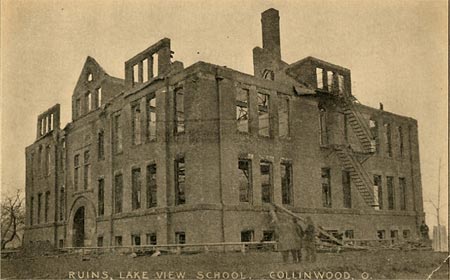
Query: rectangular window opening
[378, 192]
[263, 114]
[135, 73]
[145, 70]
[87, 170]
[319, 78]
[151, 239]
[135, 240]
[117, 145]
[286, 182]
[151, 117]
[179, 112]
[118, 240]
[391, 193]
[155, 65]
[388, 139]
[118, 193]
[266, 181]
[330, 80]
[136, 188]
[151, 186]
[101, 197]
[402, 187]
[244, 180]
[326, 188]
[247, 235]
[180, 181]
[76, 173]
[101, 145]
[136, 123]
[180, 237]
[242, 116]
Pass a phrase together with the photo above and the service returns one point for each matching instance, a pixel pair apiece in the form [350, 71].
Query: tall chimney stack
[270, 21]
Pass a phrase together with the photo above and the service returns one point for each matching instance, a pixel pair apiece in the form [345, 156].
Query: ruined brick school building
[173, 155]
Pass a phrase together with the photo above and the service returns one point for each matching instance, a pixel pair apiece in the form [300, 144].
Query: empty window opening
[373, 126]
[135, 73]
[402, 189]
[61, 203]
[42, 127]
[39, 208]
[244, 180]
[326, 188]
[381, 234]
[400, 141]
[61, 243]
[319, 78]
[266, 181]
[180, 237]
[394, 234]
[101, 197]
[388, 139]
[118, 193]
[135, 240]
[47, 206]
[323, 127]
[87, 170]
[247, 235]
[330, 80]
[100, 241]
[117, 144]
[341, 84]
[136, 123]
[406, 234]
[346, 189]
[151, 186]
[268, 235]
[286, 182]
[180, 181]
[51, 122]
[263, 114]
[90, 77]
[283, 116]
[101, 145]
[155, 65]
[349, 234]
[268, 75]
[378, 192]
[391, 193]
[145, 70]
[151, 239]
[76, 172]
[99, 97]
[242, 116]
[179, 111]
[135, 188]
[151, 117]
[118, 240]
[89, 101]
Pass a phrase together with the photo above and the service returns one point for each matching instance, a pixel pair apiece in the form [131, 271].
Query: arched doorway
[78, 228]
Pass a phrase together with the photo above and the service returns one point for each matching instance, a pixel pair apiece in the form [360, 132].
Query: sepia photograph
[207, 139]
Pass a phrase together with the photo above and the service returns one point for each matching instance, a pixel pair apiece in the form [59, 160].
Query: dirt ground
[252, 265]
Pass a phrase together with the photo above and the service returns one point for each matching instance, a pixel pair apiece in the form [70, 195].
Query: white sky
[396, 50]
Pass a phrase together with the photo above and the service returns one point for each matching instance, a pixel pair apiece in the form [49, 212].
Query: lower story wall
[211, 224]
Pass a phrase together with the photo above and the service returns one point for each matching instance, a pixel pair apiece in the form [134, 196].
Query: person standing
[424, 231]
[297, 253]
[286, 235]
[309, 244]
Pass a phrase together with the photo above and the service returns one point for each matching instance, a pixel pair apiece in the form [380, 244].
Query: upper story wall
[93, 89]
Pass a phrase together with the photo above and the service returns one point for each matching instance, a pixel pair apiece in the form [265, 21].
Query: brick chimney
[270, 21]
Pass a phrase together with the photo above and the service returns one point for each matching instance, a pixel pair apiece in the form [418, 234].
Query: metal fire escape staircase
[347, 156]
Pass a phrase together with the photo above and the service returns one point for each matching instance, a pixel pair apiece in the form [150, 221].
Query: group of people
[292, 238]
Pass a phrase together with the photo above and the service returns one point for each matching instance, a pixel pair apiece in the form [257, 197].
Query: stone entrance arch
[82, 227]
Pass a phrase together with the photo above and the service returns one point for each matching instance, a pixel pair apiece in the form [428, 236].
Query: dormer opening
[90, 77]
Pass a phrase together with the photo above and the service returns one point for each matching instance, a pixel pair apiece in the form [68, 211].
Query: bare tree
[12, 218]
